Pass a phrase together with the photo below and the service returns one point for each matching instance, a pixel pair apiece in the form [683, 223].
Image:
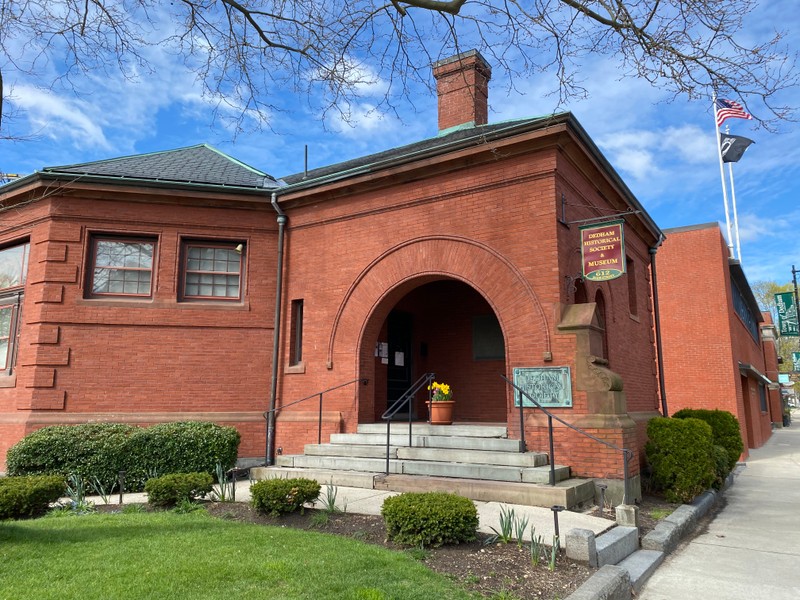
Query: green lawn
[195, 556]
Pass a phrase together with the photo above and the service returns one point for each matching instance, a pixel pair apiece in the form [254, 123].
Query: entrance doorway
[399, 368]
[447, 328]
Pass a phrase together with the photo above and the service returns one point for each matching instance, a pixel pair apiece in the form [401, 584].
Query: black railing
[405, 400]
[318, 395]
[626, 454]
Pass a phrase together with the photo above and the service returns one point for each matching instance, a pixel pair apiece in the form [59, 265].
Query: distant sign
[603, 251]
[787, 314]
[796, 361]
[549, 386]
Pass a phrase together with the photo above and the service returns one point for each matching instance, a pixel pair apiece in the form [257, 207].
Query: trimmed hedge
[724, 427]
[430, 519]
[90, 449]
[183, 447]
[679, 452]
[102, 450]
[279, 496]
[171, 489]
[24, 497]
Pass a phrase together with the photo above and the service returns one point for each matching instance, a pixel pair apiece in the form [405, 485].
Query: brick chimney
[462, 85]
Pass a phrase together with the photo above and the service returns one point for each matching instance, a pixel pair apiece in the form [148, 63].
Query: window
[762, 397]
[121, 267]
[13, 274]
[744, 311]
[630, 271]
[487, 338]
[296, 334]
[212, 271]
[602, 321]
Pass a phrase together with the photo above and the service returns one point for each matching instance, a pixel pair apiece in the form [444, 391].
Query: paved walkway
[751, 549]
[369, 502]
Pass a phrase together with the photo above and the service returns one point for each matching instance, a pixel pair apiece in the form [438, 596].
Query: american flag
[727, 109]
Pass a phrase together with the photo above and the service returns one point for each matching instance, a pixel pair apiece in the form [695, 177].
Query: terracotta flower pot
[441, 412]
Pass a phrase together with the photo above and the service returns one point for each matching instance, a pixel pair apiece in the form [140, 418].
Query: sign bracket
[603, 218]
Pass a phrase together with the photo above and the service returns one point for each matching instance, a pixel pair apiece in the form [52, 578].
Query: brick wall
[704, 339]
[446, 242]
[133, 360]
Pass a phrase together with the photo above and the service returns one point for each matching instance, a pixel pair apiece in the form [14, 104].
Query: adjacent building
[718, 347]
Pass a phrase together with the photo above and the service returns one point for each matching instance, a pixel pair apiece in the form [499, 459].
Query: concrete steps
[476, 461]
[640, 565]
[623, 566]
[429, 467]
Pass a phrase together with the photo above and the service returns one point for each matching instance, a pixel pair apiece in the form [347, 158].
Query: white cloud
[754, 228]
[359, 121]
[60, 118]
[644, 155]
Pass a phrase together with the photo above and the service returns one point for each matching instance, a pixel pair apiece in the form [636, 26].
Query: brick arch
[414, 262]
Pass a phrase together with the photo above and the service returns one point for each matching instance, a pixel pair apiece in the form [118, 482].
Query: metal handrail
[404, 399]
[626, 453]
[363, 380]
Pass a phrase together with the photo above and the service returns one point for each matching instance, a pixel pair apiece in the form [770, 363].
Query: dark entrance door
[399, 370]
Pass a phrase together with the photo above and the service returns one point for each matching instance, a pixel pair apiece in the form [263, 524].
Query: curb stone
[609, 583]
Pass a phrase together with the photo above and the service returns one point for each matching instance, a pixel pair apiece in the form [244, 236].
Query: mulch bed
[487, 569]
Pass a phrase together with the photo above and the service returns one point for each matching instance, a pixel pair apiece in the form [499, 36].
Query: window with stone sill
[121, 267]
[212, 271]
[13, 275]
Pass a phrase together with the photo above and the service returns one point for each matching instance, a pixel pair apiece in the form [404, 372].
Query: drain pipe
[269, 455]
[657, 317]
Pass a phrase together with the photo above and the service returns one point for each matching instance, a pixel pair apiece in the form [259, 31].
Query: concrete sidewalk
[751, 549]
[369, 502]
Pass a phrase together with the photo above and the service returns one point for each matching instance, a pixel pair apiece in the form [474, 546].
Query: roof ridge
[127, 156]
[235, 160]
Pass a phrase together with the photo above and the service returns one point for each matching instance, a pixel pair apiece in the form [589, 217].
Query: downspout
[269, 455]
[657, 317]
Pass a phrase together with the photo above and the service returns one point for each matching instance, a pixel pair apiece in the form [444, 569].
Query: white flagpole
[735, 216]
[722, 176]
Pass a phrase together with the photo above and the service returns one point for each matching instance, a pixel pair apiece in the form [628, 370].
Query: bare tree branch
[250, 53]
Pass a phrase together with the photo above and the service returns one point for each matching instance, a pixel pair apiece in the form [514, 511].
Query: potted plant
[441, 403]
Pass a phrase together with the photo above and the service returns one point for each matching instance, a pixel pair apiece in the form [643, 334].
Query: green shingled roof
[199, 165]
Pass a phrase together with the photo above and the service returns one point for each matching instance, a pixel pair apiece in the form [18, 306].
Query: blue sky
[663, 149]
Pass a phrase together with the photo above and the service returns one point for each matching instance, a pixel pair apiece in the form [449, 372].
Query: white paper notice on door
[399, 359]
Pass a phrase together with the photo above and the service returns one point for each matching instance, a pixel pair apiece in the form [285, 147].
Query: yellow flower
[441, 392]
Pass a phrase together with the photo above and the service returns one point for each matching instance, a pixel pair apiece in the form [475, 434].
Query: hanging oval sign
[603, 251]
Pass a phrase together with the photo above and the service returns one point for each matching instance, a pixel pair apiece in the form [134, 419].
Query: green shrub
[430, 519]
[679, 454]
[182, 447]
[720, 458]
[175, 488]
[102, 450]
[90, 449]
[278, 496]
[22, 497]
[724, 427]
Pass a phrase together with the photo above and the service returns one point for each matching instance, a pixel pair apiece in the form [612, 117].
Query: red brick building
[719, 350]
[458, 255]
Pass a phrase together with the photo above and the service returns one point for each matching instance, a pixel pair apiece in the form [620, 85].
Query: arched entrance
[400, 275]
[445, 327]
